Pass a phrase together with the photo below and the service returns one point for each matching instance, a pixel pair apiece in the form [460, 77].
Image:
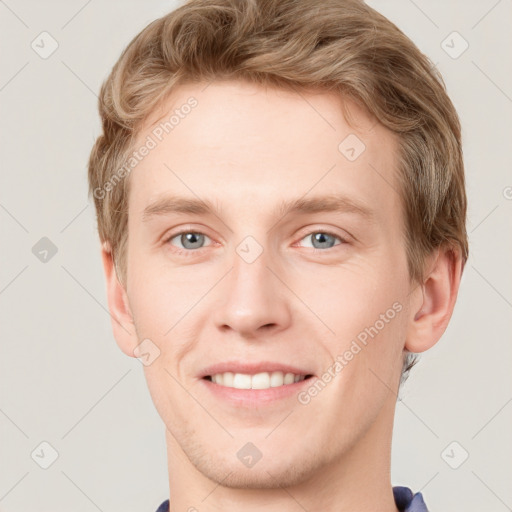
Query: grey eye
[322, 240]
[190, 240]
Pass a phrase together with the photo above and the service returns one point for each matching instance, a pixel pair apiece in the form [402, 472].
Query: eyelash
[191, 252]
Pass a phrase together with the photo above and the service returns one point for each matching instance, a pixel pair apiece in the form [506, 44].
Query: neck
[356, 480]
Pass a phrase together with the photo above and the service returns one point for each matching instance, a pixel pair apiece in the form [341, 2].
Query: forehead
[242, 144]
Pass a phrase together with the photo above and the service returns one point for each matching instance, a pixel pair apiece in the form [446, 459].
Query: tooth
[288, 378]
[261, 381]
[276, 379]
[242, 381]
[227, 379]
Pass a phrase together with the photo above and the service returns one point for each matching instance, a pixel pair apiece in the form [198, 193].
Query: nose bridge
[252, 298]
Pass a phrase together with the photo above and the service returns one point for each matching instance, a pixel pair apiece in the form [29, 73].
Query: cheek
[367, 349]
[365, 309]
[351, 298]
[167, 309]
[158, 296]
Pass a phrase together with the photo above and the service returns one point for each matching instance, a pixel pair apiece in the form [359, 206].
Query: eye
[323, 239]
[190, 240]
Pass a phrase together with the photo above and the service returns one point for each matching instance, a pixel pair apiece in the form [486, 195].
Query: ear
[436, 300]
[120, 313]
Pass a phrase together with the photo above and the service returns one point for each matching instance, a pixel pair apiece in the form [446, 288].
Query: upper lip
[252, 368]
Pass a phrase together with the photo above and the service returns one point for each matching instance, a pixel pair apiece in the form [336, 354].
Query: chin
[262, 478]
[268, 473]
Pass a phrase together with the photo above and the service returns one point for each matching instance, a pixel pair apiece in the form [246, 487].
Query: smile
[263, 380]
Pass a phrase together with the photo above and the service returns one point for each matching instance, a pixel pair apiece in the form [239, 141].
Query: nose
[253, 299]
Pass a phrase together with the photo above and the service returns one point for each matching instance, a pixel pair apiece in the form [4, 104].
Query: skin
[247, 148]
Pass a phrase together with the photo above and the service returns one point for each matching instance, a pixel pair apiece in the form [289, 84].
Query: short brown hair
[341, 46]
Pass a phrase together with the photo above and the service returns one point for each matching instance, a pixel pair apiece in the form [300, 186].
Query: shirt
[405, 501]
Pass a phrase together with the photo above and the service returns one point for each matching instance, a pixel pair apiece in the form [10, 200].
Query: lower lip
[255, 397]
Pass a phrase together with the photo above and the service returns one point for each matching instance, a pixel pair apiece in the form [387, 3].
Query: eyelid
[184, 228]
[344, 238]
[328, 250]
[168, 237]
[310, 231]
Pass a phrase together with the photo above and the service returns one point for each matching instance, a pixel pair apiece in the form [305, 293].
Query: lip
[253, 368]
[253, 398]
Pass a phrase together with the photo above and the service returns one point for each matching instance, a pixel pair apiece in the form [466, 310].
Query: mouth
[261, 380]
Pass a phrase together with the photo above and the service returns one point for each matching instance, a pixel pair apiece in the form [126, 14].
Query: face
[291, 262]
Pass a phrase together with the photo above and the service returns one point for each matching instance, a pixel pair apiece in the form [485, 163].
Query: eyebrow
[318, 204]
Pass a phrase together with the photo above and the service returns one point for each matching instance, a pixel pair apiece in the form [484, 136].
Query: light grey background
[63, 379]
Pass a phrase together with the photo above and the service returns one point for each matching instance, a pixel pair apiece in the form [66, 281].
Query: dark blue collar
[405, 501]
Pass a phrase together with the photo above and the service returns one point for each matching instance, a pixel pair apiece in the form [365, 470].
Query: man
[280, 197]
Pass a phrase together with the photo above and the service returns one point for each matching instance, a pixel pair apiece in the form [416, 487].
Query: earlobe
[123, 326]
[439, 290]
